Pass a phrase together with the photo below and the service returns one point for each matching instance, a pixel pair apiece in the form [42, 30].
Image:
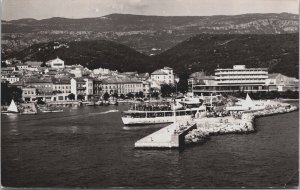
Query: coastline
[207, 127]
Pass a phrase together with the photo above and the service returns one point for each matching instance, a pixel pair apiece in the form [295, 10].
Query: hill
[147, 34]
[204, 52]
[91, 54]
[279, 53]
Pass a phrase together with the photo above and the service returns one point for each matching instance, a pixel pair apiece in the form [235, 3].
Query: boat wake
[106, 112]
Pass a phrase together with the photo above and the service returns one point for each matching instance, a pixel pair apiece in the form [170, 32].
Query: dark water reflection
[89, 147]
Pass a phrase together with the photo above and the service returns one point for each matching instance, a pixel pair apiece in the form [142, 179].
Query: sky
[41, 9]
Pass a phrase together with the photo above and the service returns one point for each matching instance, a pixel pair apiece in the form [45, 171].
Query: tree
[40, 101]
[9, 93]
[71, 96]
[115, 95]
[167, 90]
[122, 96]
[130, 95]
[105, 96]
[141, 94]
[155, 95]
[80, 97]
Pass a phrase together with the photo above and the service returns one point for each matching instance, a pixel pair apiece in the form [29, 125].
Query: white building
[10, 78]
[282, 82]
[121, 85]
[22, 66]
[56, 63]
[101, 71]
[82, 86]
[77, 72]
[163, 76]
[236, 79]
[89, 86]
[241, 75]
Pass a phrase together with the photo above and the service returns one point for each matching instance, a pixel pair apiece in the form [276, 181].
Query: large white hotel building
[238, 78]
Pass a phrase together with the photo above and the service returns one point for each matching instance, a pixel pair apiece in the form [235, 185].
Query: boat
[99, 103]
[92, 103]
[113, 101]
[12, 108]
[52, 111]
[164, 112]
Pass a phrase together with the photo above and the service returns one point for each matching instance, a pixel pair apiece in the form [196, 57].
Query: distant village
[55, 81]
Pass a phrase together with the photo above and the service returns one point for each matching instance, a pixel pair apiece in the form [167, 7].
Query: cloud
[138, 3]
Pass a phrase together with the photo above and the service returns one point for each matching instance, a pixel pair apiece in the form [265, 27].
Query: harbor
[195, 130]
[61, 144]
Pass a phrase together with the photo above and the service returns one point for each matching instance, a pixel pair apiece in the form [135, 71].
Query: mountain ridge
[141, 32]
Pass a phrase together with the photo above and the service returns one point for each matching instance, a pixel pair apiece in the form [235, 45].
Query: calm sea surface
[89, 147]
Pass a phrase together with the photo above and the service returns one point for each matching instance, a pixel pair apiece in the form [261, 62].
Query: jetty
[170, 137]
[195, 130]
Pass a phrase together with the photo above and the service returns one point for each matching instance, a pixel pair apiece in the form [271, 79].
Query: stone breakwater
[230, 124]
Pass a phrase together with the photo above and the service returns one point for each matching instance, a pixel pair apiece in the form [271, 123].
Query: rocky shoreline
[231, 125]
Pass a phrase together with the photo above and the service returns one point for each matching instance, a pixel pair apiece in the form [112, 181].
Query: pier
[170, 137]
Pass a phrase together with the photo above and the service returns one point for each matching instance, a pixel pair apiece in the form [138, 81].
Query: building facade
[56, 63]
[62, 86]
[121, 85]
[29, 94]
[236, 79]
[163, 76]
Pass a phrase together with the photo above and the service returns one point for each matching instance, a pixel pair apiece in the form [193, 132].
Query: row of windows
[62, 87]
[28, 92]
[123, 86]
[43, 85]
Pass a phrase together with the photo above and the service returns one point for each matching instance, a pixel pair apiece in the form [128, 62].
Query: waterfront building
[282, 82]
[29, 94]
[78, 87]
[62, 85]
[121, 85]
[146, 87]
[43, 85]
[163, 76]
[56, 63]
[89, 86]
[97, 87]
[236, 79]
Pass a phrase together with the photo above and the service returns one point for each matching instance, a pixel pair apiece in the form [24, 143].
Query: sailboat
[12, 108]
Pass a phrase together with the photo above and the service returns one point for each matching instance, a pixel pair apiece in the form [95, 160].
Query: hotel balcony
[242, 77]
[241, 73]
[241, 82]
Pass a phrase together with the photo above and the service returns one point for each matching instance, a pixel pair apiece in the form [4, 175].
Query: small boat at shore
[12, 109]
[99, 103]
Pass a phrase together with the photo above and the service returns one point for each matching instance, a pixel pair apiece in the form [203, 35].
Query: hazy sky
[40, 9]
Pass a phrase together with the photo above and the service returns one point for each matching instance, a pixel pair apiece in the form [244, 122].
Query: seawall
[230, 124]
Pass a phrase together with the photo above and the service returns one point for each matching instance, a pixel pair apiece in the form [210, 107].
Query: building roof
[61, 81]
[7, 69]
[34, 63]
[18, 83]
[120, 79]
[159, 72]
[38, 80]
[54, 60]
[273, 75]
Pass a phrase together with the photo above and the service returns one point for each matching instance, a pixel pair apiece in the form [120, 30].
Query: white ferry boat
[163, 112]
